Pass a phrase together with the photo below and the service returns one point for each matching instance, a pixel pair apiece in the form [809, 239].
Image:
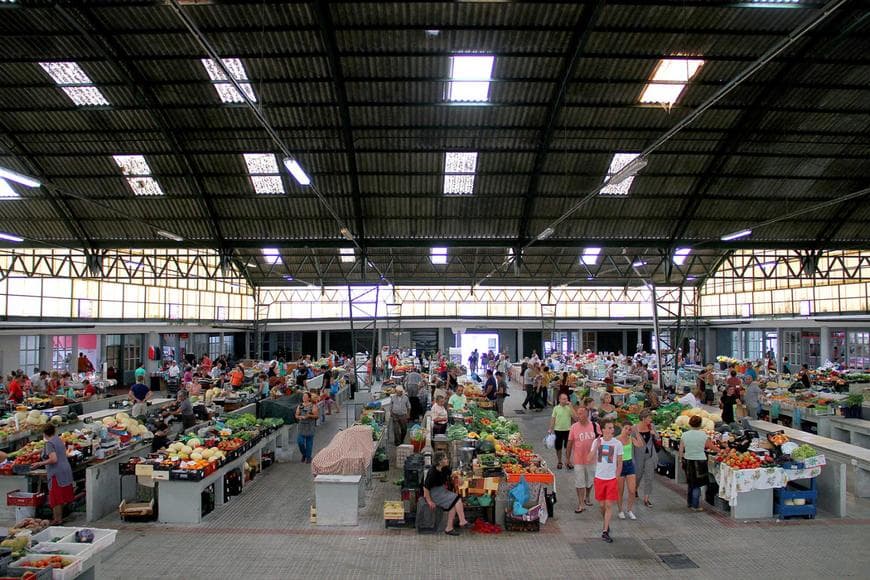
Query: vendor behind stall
[439, 416]
[161, 436]
[59, 474]
[457, 401]
[89, 390]
[185, 410]
[139, 395]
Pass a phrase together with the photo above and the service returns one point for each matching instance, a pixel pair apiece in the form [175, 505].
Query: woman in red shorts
[60, 476]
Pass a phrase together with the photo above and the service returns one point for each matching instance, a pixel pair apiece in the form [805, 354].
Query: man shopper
[580, 438]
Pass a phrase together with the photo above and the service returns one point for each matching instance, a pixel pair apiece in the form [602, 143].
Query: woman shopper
[560, 425]
[306, 418]
[437, 494]
[58, 473]
[645, 455]
[627, 477]
[692, 448]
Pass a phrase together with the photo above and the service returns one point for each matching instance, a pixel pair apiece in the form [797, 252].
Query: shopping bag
[550, 440]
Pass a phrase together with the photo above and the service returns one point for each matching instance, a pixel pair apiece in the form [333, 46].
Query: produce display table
[180, 502]
[832, 482]
[104, 484]
[749, 491]
[853, 431]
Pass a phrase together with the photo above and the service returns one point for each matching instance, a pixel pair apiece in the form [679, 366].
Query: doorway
[483, 342]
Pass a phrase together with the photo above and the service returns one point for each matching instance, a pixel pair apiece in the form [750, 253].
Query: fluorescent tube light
[19, 178]
[546, 234]
[736, 235]
[169, 235]
[10, 238]
[297, 172]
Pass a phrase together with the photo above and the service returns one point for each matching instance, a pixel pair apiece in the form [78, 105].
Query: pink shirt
[583, 436]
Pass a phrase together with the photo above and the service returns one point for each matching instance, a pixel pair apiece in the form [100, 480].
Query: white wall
[9, 353]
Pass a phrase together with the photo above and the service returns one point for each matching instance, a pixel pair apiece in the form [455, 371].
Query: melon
[57, 420]
[194, 442]
[196, 456]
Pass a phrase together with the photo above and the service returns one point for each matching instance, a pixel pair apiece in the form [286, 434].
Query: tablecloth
[735, 481]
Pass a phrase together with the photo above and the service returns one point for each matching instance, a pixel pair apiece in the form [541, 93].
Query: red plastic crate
[19, 498]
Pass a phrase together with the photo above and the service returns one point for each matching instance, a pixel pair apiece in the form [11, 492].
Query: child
[607, 454]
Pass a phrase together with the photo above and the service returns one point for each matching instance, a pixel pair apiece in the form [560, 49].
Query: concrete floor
[265, 533]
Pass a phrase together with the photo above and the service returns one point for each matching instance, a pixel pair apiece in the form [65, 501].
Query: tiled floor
[265, 533]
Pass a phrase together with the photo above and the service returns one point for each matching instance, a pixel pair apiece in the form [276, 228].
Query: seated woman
[437, 494]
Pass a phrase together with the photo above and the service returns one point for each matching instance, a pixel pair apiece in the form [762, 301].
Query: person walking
[413, 380]
[627, 477]
[645, 455]
[607, 454]
[501, 393]
[580, 438]
[306, 419]
[692, 448]
[400, 411]
[528, 386]
[560, 425]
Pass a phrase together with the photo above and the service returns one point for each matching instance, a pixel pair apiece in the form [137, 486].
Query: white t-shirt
[606, 453]
[689, 399]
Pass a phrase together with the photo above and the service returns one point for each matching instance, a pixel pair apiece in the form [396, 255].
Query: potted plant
[851, 406]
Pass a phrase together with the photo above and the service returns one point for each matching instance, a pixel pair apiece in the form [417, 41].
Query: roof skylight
[619, 161]
[138, 174]
[271, 255]
[263, 169]
[669, 79]
[469, 78]
[225, 89]
[77, 85]
[347, 255]
[459, 171]
[590, 256]
[680, 255]
[438, 256]
[6, 191]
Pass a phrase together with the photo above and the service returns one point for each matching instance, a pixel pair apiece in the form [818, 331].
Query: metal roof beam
[101, 41]
[327, 37]
[554, 243]
[60, 205]
[576, 46]
[751, 117]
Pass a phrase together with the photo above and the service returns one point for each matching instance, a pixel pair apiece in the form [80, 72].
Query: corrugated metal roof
[793, 135]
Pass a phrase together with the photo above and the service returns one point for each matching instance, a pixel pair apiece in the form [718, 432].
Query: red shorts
[60, 495]
[605, 489]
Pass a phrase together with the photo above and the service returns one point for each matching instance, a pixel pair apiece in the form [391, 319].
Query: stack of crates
[394, 515]
[402, 453]
[413, 469]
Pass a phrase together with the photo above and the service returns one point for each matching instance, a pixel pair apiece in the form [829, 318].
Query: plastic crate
[41, 573]
[71, 571]
[83, 551]
[515, 525]
[20, 498]
[54, 534]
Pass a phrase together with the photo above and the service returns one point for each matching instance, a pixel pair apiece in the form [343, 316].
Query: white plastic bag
[550, 440]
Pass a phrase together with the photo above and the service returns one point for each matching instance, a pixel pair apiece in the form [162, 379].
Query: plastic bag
[283, 455]
[550, 440]
[520, 494]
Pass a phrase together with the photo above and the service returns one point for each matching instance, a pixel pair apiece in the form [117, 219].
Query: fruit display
[746, 460]
[56, 562]
[708, 420]
[29, 454]
[18, 545]
[778, 439]
[803, 452]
